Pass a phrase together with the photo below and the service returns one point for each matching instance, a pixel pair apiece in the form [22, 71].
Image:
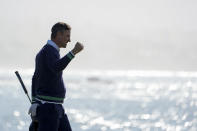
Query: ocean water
[110, 100]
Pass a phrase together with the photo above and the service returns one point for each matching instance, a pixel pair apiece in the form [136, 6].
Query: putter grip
[19, 78]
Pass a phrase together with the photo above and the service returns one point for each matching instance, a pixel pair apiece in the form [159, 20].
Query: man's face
[63, 38]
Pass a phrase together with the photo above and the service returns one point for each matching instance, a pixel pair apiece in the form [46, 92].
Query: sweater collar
[50, 42]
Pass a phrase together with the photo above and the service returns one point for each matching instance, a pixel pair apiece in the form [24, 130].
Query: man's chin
[64, 46]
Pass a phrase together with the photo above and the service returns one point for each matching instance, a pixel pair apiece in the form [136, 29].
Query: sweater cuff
[70, 55]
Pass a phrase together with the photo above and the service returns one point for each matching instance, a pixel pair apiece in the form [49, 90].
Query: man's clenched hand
[78, 47]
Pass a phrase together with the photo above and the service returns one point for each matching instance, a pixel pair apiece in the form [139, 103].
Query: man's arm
[35, 80]
[56, 64]
[33, 88]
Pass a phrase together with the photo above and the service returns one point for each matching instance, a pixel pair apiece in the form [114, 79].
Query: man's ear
[59, 35]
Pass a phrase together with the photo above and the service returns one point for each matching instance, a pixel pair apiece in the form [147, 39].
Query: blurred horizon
[117, 35]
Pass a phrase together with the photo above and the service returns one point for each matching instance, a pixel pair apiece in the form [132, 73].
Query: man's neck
[55, 42]
[52, 43]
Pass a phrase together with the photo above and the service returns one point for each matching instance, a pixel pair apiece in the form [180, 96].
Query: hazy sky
[117, 34]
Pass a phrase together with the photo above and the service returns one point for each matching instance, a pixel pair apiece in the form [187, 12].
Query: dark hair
[60, 26]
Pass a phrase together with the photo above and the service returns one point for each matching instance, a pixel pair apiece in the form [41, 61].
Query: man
[48, 90]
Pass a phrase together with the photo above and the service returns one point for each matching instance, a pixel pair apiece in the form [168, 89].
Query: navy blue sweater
[47, 82]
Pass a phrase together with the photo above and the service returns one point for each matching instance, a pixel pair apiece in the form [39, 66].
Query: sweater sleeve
[35, 82]
[33, 88]
[54, 63]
